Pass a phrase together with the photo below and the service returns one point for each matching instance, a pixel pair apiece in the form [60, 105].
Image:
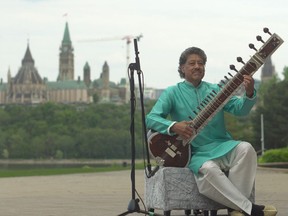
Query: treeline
[65, 131]
[102, 131]
[272, 104]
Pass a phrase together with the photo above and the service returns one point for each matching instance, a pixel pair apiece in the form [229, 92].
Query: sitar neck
[216, 100]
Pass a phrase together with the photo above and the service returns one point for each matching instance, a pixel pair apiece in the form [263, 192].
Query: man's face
[194, 69]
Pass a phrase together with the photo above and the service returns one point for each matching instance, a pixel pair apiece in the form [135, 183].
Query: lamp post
[262, 135]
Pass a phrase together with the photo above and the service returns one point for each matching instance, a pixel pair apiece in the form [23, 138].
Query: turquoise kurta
[179, 101]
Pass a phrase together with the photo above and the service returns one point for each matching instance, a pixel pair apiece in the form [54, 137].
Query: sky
[99, 30]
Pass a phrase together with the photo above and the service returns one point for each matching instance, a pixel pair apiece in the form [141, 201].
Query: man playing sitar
[213, 150]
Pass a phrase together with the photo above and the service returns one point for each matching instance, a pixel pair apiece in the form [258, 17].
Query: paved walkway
[106, 194]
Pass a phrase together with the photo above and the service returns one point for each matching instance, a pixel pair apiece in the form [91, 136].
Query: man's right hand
[183, 129]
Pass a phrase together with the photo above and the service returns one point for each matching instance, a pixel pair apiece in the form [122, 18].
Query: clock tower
[66, 58]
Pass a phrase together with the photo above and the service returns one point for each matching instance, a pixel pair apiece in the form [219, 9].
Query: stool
[173, 188]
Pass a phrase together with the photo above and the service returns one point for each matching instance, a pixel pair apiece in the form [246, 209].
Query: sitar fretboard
[215, 101]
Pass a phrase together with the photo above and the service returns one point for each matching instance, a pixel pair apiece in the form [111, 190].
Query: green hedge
[274, 155]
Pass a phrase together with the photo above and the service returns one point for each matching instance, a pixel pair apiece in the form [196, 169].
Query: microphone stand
[133, 205]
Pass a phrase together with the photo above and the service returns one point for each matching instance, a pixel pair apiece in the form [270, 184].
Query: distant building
[268, 70]
[66, 58]
[107, 91]
[28, 87]
[149, 93]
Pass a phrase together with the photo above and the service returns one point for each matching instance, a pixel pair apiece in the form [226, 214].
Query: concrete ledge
[280, 165]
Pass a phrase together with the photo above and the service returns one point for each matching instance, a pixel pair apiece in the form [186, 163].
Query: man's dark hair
[189, 51]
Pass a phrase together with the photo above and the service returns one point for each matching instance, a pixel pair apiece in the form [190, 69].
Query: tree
[95, 98]
[68, 131]
[285, 73]
[240, 127]
[273, 106]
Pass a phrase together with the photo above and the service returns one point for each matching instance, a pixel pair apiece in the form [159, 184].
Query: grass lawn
[62, 171]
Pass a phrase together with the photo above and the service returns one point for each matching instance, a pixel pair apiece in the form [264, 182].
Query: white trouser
[232, 191]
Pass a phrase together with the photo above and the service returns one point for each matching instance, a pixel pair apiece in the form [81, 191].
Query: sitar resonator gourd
[173, 151]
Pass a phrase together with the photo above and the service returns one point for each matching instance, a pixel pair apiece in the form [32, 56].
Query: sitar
[173, 151]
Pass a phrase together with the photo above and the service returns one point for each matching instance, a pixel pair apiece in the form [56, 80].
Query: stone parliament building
[28, 87]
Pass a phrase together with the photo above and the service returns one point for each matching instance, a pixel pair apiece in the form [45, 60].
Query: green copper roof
[3, 87]
[69, 84]
[66, 38]
[86, 66]
[98, 83]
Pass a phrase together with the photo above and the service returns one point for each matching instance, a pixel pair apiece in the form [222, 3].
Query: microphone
[137, 61]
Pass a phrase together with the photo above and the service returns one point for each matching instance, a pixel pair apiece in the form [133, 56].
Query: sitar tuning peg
[259, 38]
[266, 30]
[230, 74]
[251, 46]
[209, 96]
[232, 67]
[239, 59]
[202, 105]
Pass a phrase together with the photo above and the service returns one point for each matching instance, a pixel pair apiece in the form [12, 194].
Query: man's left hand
[249, 85]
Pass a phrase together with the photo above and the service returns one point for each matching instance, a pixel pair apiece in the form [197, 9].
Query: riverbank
[63, 161]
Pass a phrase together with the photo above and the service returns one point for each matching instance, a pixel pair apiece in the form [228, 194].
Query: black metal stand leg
[187, 212]
[133, 205]
[196, 212]
[213, 213]
[167, 213]
[206, 213]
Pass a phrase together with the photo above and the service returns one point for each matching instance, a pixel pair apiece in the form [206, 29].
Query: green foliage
[274, 155]
[95, 98]
[272, 104]
[273, 107]
[239, 127]
[285, 73]
[5, 154]
[59, 154]
[45, 131]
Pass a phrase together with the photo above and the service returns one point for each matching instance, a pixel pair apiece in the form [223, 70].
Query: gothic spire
[268, 69]
[66, 38]
[27, 57]
[27, 74]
